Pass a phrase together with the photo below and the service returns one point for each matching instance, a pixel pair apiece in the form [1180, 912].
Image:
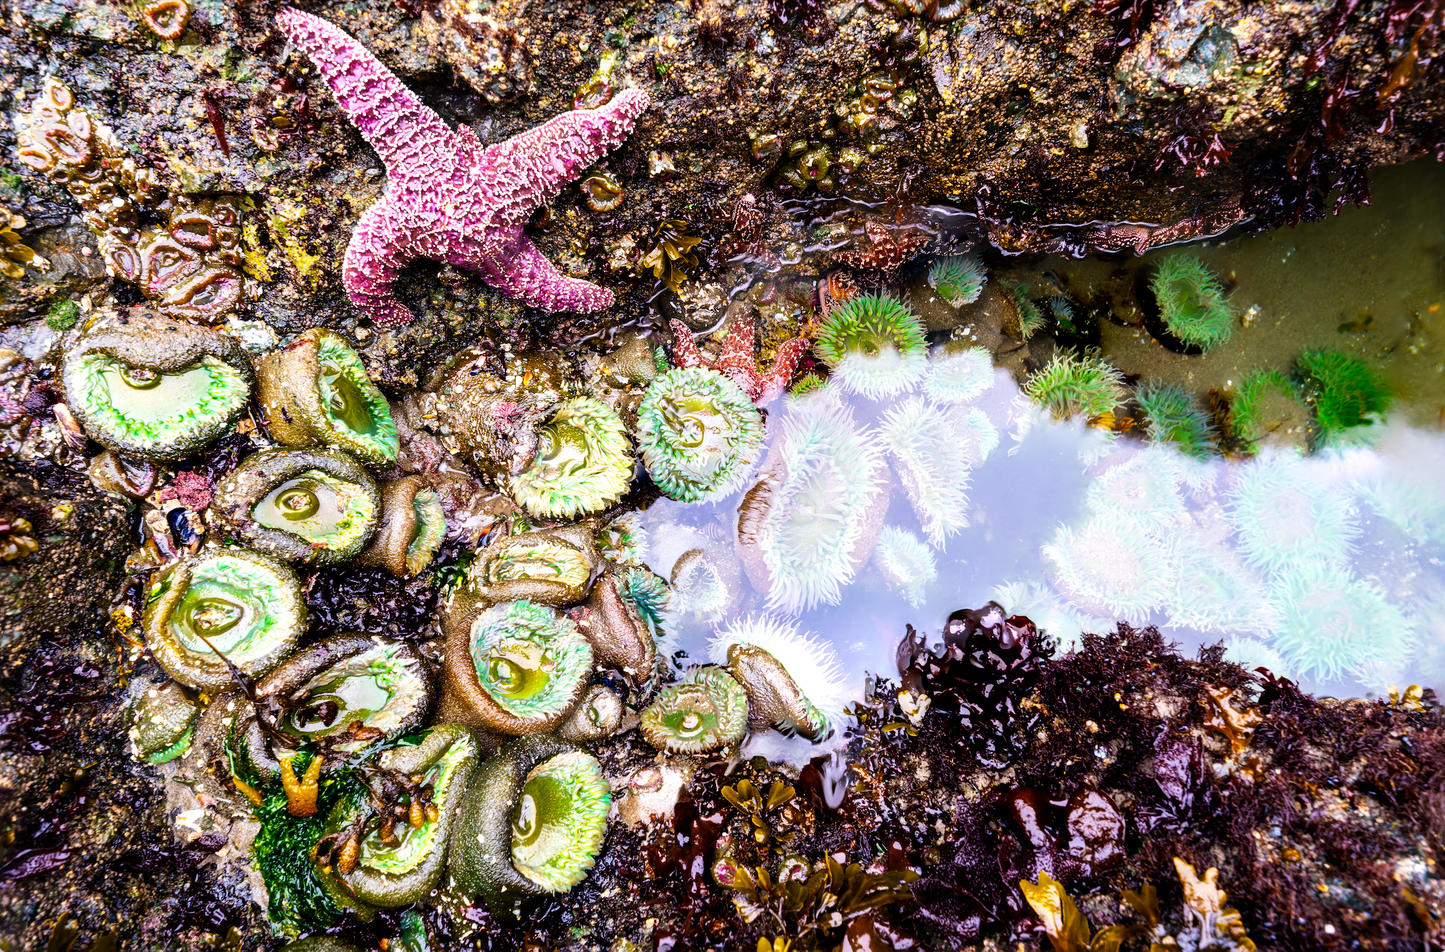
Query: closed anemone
[248, 605]
[874, 345]
[1192, 303]
[933, 466]
[905, 563]
[699, 434]
[411, 528]
[958, 279]
[155, 388]
[1331, 624]
[583, 463]
[315, 390]
[1282, 516]
[793, 680]
[1070, 386]
[302, 505]
[1110, 567]
[958, 376]
[707, 710]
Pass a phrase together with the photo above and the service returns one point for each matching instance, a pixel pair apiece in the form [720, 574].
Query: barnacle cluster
[14, 253]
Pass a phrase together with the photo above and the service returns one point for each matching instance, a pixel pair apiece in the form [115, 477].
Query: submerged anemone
[302, 505]
[399, 853]
[410, 530]
[1110, 567]
[545, 566]
[1331, 624]
[699, 434]
[1344, 392]
[1282, 516]
[1213, 592]
[813, 516]
[1031, 319]
[514, 668]
[148, 386]
[244, 604]
[1251, 653]
[583, 464]
[874, 345]
[958, 376]
[905, 563]
[1254, 413]
[958, 279]
[316, 391]
[975, 432]
[1192, 303]
[706, 711]
[1143, 489]
[1070, 386]
[793, 681]
[932, 464]
[531, 824]
[1174, 418]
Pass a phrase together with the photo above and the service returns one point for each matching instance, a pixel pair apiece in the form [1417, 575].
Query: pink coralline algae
[738, 360]
[448, 198]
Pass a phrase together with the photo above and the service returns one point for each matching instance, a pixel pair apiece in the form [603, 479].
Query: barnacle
[546, 567]
[905, 563]
[583, 463]
[793, 681]
[958, 279]
[515, 668]
[13, 251]
[246, 605]
[932, 465]
[402, 844]
[699, 434]
[1109, 566]
[812, 517]
[410, 529]
[531, 824]
[1282, 516]
[958, 375]
[1192, 304]
[316, 391]
[162, 722]
[1343, 391]
[1071, 386]
[707, 710]
[301, 505]
[1175, 419]
[671, 249]
[874, 345]
[148, 386]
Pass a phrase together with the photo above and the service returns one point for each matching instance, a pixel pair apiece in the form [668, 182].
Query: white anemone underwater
[1282, 516]
[1332, 624]
[932, 464]
[905, 563]
[1110, 567]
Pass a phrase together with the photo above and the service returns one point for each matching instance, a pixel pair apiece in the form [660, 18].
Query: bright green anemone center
[699, 433]
[561, 448]
[159, 408]
[232, 602]
[529, 658]
[415, 842]
[316, 506]
[559, 821]
[583, 461]
[547, 561]
[371, 686]
[352, 403]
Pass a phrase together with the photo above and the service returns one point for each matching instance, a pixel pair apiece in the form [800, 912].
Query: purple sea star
[448, 198]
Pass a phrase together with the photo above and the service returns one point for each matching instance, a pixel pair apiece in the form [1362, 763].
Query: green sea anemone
[401, 862]
[1108, 566]
[1251, 653]
[583, 464]
[623, 540]
[905, 563]
[162, 722]
[595, 719]
[794, 681]
[975, 432]
[410, 530]
[706, 711]
[648, 595]
[301, 505]
[1143, 489]
[1254, 412]
[1063, 312]
[1412, 497]
[1332, 624]
[699, 434]
[1174, 418]
[812, 517]
[1070, 386]
[249, 606]
[1343, 391]
[545, 566]
[1282, 516]
[147, 386]
[1031, 319]
[316, 391]
[932, 465]
[1214, 592]
[958, 279]
[958, 375]
[516, 668]
[874, 345]
[1192, 303]
[531, 824]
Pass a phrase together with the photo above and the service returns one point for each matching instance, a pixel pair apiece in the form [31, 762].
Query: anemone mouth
[706, 711]
[302, 505]
[381, 687]
[559, 820]
[583, 463]
[155, 388]
[874, 345]
[316, 391]
[248, 605]
[530, 660]
[699, 433]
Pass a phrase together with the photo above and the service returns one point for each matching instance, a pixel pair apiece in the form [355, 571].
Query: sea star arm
[536, 165]
[775, 381]
[518, 269]
[397, 124]
[374, 260]
[684, 348]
